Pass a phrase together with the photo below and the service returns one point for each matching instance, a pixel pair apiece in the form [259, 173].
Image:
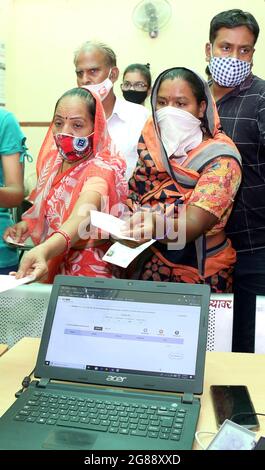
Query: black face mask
[137, 97]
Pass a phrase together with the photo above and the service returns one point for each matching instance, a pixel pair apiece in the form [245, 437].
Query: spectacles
[137, 86]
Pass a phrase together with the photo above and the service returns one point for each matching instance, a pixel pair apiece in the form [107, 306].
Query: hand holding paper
[11, 241]
[108, 223]
[118, 253]
[141, 224]
[18, 233]
[34, 263]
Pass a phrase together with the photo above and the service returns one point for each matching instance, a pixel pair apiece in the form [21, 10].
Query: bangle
[67, 239]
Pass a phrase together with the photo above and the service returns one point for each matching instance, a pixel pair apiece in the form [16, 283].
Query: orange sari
[208, 177]
[57, 193]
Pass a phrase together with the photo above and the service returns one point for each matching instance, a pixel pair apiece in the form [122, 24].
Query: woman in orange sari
[78, 174]
[185, 162]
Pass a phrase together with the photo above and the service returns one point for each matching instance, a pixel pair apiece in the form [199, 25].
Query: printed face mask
[101, 89]
[134, 96]
[229, 72]
[180, 131]
[72, 149]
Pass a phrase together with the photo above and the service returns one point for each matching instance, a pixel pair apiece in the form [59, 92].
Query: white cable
[198, 439]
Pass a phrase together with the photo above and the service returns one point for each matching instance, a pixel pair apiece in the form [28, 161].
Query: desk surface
[221, 368]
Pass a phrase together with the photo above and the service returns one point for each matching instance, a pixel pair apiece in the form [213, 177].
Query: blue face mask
[229, 72]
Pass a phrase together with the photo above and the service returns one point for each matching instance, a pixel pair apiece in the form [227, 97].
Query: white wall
[41, 36]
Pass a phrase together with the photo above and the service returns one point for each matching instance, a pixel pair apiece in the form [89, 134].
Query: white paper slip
[122, 255]
[9, 282]
[14, 242]
[108, 223]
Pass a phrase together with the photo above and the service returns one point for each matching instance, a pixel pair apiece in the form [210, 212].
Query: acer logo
[115, 378]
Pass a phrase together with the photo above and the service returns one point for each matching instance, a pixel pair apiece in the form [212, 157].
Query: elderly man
[240, 100]
[95, 66]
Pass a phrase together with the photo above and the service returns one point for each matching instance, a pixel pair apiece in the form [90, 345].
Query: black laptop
[119, 365]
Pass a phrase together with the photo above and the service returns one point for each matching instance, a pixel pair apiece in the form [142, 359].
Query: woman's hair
[191, 78]
[85, 95]
[143, 69]
[233, 19]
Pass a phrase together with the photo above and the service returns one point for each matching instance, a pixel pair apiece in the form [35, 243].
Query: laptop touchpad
[69, 439]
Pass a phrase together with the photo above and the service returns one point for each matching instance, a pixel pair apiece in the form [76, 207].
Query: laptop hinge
[42, 383]
[187, 398]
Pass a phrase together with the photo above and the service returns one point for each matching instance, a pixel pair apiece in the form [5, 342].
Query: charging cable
[198, 433]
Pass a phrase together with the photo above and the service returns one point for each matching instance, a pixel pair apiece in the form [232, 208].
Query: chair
[23, 311]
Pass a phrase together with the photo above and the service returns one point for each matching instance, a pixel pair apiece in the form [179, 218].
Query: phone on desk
[233, 402]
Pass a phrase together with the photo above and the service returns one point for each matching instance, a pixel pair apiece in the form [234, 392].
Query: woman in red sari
[78, 174]
[185, 161]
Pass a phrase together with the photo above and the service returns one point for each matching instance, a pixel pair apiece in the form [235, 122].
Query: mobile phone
[233, 402]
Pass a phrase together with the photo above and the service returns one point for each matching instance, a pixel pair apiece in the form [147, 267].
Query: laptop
[119, 365]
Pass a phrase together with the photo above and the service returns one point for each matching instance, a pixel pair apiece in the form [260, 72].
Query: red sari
[57, 193]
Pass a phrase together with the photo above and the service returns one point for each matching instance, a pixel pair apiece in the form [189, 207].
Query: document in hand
[9, 282]
[123, 255]
[108, 223]
[118, 254]
[11, 241]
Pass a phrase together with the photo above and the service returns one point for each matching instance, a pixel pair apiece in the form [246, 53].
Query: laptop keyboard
[126, 418]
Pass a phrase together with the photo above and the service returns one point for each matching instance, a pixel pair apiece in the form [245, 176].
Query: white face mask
[180, 131]
[102, 89]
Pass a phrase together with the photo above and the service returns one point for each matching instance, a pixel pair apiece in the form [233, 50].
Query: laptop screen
[119, 331]
[137, 334]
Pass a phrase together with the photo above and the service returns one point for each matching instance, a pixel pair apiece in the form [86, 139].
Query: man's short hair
[232, 19]
[110, 55]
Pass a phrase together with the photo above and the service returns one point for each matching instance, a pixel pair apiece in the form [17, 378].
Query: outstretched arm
[34, 262]
[211, 200]
[192, 222]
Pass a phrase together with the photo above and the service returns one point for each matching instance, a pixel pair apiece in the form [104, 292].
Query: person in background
[80, 174]
[136, 83]
[12, 152]
[183, 187]
[96, 67]
[240, 100]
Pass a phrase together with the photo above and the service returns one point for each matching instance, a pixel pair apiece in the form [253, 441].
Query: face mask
[134, 96]
[72, 149]
[102, 89]
[228, 71]
[180, 131]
